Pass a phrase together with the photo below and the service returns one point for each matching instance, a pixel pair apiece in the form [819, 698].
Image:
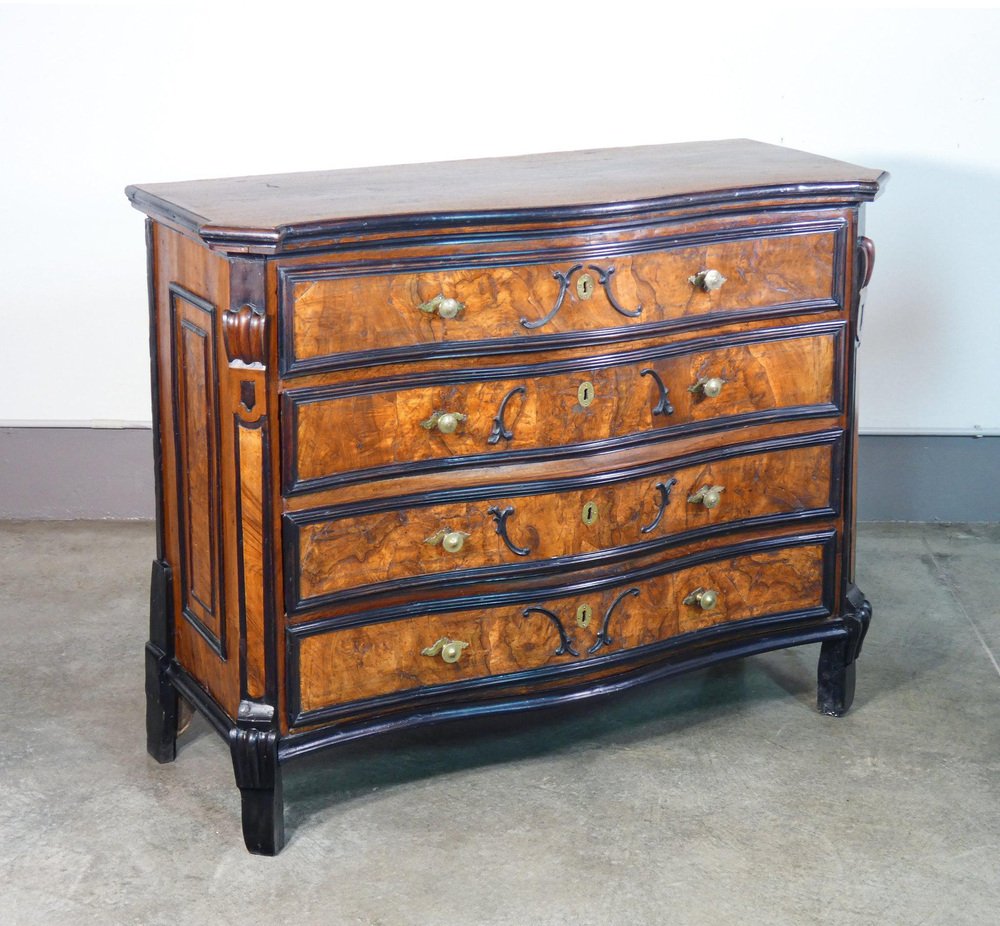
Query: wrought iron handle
[445, 422]
[451, 541]
[663, 406]
[704, 598]
[709, 496]
[708, 386]
[866, 249]
[500, 428]
[664, 489]
[708, 280]
[443, 306]
[500, 516]
[449, 650]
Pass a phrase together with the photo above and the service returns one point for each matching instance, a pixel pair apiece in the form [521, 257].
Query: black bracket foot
[254, 746]
[837, 671]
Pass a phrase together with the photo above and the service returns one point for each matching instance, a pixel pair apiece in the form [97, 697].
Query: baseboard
[103, 473]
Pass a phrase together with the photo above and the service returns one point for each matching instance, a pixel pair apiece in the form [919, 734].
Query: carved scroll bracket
[244, 331]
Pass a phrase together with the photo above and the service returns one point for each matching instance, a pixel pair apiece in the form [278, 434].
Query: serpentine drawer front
[382, 315]
[378, 429]
[456, 439]
[332, 669]
[592, 519]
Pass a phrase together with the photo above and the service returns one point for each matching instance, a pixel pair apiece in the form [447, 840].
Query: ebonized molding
[297, 717]
[290, 275]
[293, 521]
[293, 399]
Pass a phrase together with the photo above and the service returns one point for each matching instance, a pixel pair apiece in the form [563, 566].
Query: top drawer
[467, 305]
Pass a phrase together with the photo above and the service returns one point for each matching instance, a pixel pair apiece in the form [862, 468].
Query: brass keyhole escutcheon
[583, 615]
[585, 395]
[585, 286]
[589, 514]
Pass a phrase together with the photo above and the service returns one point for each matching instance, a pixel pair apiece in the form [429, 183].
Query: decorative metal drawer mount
[603, 277]
[500, 516]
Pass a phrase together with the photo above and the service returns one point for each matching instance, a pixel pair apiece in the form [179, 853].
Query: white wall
[94, 98]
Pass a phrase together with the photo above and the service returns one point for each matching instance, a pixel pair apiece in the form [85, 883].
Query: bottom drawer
[570, 629]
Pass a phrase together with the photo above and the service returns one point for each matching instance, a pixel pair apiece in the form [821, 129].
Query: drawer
[387, 428]
[569, 630]
[439, 540]
[340, 317]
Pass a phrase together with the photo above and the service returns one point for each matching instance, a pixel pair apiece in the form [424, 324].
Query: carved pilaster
[244, 330]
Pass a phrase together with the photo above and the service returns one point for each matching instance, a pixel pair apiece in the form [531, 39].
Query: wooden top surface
[575, 184]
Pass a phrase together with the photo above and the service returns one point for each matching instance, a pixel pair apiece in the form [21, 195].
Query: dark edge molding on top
[289, 276]
[274, 240]
[293, 522]
[293, 398]
[294, 634]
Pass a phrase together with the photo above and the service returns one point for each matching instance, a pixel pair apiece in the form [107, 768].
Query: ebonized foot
[161, 707]
[258, 776]
[837, 670]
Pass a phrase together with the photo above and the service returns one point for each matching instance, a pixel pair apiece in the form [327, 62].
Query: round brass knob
[449, 308]
[452, 651]
[443, 306]
[712, 387]
[449, 650]
[704, 598]
[709, 496]
[708, 280]
[708, 386]
[445, 422]
[453, 541]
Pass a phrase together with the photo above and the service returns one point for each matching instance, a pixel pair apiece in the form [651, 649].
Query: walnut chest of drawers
[463, 438]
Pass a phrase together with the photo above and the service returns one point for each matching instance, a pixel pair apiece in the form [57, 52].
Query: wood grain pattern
[378, 429]
[191, 452]
[377, 312]
[266, 211]
[353, 552]
[250, 450]
[364, 662]
[197, 447]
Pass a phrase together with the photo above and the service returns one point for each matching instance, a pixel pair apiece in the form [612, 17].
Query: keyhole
[585, 393]
[585, 286]
[583, 615]
[589, 515]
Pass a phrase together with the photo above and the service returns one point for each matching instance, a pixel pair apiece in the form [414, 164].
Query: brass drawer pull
[449, 650]
[445, 422]
[704, 598]
[709, 496]
[708, 386]
[500, 516]
[451, 541]
[443, 306]
[708, 280]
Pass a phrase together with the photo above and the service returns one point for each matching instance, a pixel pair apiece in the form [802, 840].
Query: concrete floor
[718, 798]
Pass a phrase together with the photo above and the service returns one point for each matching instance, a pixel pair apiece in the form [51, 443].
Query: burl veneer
[452, 439]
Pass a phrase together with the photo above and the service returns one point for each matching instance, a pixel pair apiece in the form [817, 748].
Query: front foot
[837, 661]
[162, 709]
[254, 747]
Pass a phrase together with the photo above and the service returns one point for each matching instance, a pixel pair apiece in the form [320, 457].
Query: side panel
[192, 290]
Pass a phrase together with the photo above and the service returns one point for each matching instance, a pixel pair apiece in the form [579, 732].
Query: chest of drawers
[456, 439]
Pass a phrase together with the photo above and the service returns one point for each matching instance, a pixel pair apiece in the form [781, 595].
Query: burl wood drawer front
[373, 430]
[539, 528]
[575, 629]
[341, 317]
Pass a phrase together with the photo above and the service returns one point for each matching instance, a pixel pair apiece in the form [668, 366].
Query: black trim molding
[523, 341]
